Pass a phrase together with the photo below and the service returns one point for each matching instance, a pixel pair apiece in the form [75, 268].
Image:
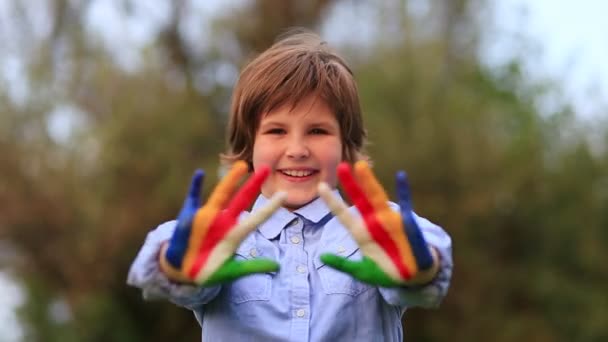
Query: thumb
[233, 269]
[365, 270]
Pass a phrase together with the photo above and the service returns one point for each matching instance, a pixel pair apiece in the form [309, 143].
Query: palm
[205, 239]
[394, 250]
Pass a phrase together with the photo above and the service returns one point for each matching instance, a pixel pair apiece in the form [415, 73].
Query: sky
[12, 297]
[571, 46]
[558, 40]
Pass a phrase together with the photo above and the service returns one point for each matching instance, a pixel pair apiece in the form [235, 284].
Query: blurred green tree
[522, 193]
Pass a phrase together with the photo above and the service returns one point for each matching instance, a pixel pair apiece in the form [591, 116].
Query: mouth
[298, 175]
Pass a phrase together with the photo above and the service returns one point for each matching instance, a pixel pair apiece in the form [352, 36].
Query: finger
[340, 210]
[403, 191]
[357, 229]
[223, 223]
[420, 249]
[195, 188]
[250, 223]
[223, 191]
[418, 245]
[341, 263]
[370, 186]
[390, 230]
[224, 235]
[365, 270]
[375, 228]
[248, 192]
[206, 215]
[391, 221]
[234, 269]
[353, 190]
[181, 234]
[191, 202]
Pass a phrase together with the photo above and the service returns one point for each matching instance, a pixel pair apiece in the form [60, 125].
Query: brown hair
[299, 63]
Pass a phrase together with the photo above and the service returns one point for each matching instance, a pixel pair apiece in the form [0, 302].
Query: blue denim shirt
[305, 300]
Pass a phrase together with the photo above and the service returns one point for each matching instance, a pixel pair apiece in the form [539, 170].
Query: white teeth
[297, 173]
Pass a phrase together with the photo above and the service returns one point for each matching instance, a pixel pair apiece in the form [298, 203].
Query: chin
[297, 203]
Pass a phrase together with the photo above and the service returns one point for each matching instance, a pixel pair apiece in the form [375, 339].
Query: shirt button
[295, 240]
[300, 313]
[294, 222]
[341, 249]
[301, 269]
[253, 252]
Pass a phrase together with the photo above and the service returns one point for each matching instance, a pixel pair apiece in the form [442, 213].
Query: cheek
[332, 158]
[257, 156]
[264, 152]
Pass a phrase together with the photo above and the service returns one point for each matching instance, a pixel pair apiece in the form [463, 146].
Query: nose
[297, 148]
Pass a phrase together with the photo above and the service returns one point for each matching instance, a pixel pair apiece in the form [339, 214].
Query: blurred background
[495, 108]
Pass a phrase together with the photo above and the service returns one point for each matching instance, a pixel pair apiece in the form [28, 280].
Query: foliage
[522, 193]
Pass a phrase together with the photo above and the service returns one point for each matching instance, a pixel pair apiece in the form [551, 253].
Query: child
[301, 266]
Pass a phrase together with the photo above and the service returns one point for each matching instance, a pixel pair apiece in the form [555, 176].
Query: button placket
[298, 270]
[296, 234]
[301, 313]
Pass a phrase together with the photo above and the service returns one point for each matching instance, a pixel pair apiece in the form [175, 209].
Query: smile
[297, 173]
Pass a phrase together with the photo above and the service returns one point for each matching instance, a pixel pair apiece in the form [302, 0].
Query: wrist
[424, 277]
[168, 270]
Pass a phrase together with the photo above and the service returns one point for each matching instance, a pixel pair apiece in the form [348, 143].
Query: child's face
[302, 146]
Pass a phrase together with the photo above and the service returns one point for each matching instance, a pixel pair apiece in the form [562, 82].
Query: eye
[275, 131]
[317, 131]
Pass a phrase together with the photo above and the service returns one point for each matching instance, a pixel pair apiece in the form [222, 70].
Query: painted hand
[395, 252]
[202, 247]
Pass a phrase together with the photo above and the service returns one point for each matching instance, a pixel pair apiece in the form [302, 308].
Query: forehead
[310, 108]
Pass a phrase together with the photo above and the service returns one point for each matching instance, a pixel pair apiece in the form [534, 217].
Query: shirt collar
[313, 211]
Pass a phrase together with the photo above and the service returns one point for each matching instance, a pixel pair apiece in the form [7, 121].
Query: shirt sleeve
[145, 274]
[429, 295]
